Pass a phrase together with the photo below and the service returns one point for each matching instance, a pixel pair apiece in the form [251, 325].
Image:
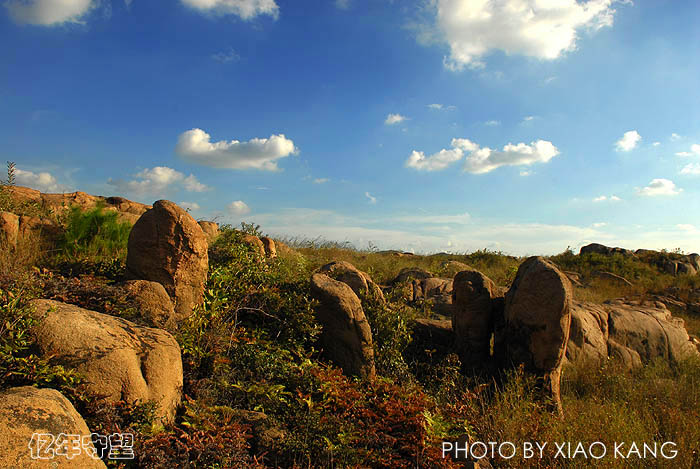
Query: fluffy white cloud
[392, 119]
[371, 198]
[48, 12]
[691, 168]
[258, 153]
[660, 187]
[628, 141]
[238, 207]
[158, 180]
[694, 150]
[537, 28]
[602, 198]
[43, 181]
[190, 206]
[483, 160]
[246, 9]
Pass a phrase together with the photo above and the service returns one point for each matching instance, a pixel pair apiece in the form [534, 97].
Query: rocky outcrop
[437, 291]
[119, 359]
[346, 337]
[25, 411]
[14, 229]
[9, 229]
[126, 209]
[595, 248]
[671, 263]
[269, 245]
[477, 305]
[537, 319]
[166, 245]
[360, 282]
[210, 229]
[633, 332]
[152, 303]
[411, 273]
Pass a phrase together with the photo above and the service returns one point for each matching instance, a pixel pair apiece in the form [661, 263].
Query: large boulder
[605, 250]
[118, 359]
[411, 273]
[210, 229]
[346, 336]
[632, 332]
[476, 303]
[436, 290]
[26, 411]
[360, 282]
[537, 319]
[151, 302]
[9, 229]
[166, 245]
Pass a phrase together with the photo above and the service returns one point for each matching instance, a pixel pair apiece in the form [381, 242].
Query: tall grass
[95, 233]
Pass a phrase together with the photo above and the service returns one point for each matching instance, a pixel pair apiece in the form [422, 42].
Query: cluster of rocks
[674, 264]
[16, 229]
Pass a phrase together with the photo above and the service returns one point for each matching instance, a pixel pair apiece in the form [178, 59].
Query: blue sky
[431, 125]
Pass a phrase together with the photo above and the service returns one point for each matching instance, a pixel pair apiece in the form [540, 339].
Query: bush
[95, 234]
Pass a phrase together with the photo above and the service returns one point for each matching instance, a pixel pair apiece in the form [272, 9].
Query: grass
[253, 346]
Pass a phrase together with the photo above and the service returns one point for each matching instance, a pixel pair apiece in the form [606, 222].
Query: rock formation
[360, 282]
[152, 303]
[346, 336]
[119, 359]
[210, 229]
[269, 246]
[166, 245]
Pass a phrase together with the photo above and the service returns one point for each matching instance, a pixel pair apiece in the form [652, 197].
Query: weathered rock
[210, 229]
[605, 250]
[452, 268]
[633, 332]
[254, 243]
[537, 320]
[574, 278]
[9, 229]
[166, 245]
[346, 336]
[269, 245]
[438, 291]
[360, 282]
[411, 273]
[152, 303]
[476, 303]
[25, 411]
[119, 359]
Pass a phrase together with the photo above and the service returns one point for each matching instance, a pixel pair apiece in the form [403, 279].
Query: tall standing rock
[475, 305]
[346, 336]
[537, 321]
[166, 245]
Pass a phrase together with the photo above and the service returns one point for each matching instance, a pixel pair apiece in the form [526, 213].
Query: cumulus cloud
[238, 207]
[694, 150]
[691, 169]
[258, 153]
[48, 12]
[245, 9]
[371, 198]
[43, 181]
[628, 141]
[392, 119]
[660, 187]
[543, 29]
[190, 206]
[603, 198]
[158, 180]
[483, 160]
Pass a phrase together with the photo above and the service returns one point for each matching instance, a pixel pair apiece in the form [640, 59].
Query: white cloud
[48, 12]
[525, 173]
[691, 169]
[246, 9]
[371, 198]
[435, 106]
[158, 180]
[321, 180]
[628, 141]
[190, 206]
[660, 187]
[43, 181]
[603, 198]
[528, 118]
[392, 119]
[537, 28]
[492, 123]
[694, 150]
[599, 224]
[675, 136]
[342, 4]
[656, 144]
[441, 107]
[226, 56]
[485, 159]
[687, 227]
[257, 153]
[238, 208]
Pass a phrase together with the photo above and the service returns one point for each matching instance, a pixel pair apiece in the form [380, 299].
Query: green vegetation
[252, 349]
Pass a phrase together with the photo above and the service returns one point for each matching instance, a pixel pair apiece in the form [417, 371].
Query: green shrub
[95, 233]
